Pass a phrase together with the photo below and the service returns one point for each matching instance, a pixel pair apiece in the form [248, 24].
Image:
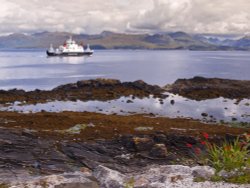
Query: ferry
[70, 48]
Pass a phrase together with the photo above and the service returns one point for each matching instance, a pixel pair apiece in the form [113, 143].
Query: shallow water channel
[212, 110]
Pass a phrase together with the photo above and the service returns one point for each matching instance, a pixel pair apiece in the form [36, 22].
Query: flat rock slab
[156, 176]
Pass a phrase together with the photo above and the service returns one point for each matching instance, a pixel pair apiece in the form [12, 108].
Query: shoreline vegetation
[137, 150]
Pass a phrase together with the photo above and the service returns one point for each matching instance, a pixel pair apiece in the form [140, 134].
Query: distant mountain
[111, 40]
[243, 43]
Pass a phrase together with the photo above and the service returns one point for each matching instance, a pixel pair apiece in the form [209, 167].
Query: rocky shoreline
[197, 88]
[35, 145]
[200, 88]
[83, 149]
[99, 89]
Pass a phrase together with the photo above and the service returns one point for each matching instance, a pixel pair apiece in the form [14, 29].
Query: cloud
[199, 16]
[94, 16]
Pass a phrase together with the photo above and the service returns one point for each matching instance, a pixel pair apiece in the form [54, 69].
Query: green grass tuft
[229, 156]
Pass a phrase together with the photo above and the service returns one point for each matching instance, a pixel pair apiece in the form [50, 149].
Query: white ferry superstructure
[70, 48]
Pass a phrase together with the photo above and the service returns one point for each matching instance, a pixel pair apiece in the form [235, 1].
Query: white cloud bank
[94, 16]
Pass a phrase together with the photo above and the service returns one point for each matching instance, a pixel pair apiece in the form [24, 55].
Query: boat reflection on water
[67, 59]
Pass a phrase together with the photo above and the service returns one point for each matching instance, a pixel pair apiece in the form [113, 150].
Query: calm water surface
[33, 69]
[215, 109]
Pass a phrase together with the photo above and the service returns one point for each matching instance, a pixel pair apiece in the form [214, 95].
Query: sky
[130, 16]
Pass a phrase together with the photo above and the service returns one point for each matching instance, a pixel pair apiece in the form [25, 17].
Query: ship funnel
[51, 49]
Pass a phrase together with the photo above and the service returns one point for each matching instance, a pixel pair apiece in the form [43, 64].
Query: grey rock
[78, 185]
[225, 174]
[141, 182]
[97, 83]
[129, 101]
[159, 150]
[205, 172]
[160, 138]
[109, 178]
[172, 102]
[67, 180]
[204, 114]
[143, 143]
[143, 128]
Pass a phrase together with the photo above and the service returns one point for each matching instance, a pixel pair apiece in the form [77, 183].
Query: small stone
[37, 165]
[86, 171]
[91, 125]
[223, 174]
[129, 101]
[128, 141]
[108, 177]
[142, 144]
[160, 138]
[76, 129]
[204, 114]
[143, 128]
[176, 178]
[161, 101]
[205, 172]
[141, 182]
[78, 185]
[234, 119]
[159, 150]
[172, 102]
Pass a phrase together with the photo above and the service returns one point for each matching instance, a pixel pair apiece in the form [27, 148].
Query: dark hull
[70, 54]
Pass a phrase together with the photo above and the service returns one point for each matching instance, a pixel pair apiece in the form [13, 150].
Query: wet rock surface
[200, 88]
